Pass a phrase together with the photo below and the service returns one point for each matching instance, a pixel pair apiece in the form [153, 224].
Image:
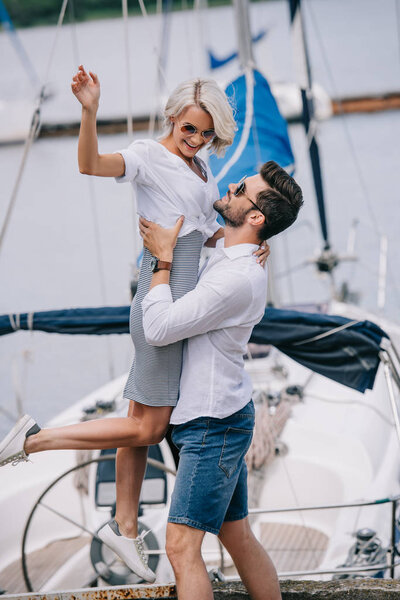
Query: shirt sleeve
[135, 157]
[216, 302]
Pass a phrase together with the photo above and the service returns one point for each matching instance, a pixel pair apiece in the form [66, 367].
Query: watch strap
[163, 265]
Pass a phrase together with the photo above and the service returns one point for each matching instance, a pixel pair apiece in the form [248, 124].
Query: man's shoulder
[241, 272]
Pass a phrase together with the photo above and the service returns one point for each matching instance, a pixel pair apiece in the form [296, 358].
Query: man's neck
[239, 235]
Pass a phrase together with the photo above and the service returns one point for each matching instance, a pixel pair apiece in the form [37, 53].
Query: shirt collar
[237, 250]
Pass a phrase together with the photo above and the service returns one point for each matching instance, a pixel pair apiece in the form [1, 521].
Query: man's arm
[213, 304]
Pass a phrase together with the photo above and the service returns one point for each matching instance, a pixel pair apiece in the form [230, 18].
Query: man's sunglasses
[241, 188]
[207, 135]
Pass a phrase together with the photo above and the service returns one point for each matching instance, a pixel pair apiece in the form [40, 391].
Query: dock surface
[350, 589]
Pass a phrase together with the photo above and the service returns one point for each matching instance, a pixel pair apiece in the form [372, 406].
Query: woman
[170, 181]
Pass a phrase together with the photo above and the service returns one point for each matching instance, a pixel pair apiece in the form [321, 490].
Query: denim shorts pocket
[236, 443]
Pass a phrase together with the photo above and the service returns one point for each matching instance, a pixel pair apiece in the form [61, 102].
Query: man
[214, 418]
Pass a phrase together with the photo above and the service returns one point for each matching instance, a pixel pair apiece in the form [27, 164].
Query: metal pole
[393, 539]
[382, 273]
[241, 11]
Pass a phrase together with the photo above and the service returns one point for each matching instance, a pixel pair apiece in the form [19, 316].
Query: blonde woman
[170, 181]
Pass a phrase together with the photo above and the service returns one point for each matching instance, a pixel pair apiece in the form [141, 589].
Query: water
[49, 259]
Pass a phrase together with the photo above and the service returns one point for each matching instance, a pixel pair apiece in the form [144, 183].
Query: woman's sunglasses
[207, 135]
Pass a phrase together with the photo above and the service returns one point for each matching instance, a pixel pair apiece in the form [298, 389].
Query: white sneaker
[12, 447]
[130, 550]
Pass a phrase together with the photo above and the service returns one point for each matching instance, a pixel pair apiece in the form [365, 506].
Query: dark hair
[280, 202]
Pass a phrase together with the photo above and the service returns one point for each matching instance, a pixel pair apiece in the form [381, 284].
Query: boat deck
[291, 548]
[41, 564]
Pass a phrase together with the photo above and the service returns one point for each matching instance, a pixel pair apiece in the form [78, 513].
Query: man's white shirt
[217, 317]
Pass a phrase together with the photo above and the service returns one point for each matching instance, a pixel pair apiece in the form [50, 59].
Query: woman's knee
[145, 432]
[151, 422]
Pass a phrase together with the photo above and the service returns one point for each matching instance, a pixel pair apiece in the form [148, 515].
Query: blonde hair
[206, 94]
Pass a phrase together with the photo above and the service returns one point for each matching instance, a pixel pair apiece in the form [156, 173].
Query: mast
[247, 64]
[245, 48]
[304, 74]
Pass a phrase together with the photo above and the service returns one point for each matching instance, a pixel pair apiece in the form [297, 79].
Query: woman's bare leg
[130, 470]
[131, 467]
[145, 426]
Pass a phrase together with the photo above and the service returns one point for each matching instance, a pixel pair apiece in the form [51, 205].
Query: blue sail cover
[262, 132]
[349, 356]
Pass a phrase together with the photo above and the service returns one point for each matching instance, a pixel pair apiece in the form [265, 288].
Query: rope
[266, 431]
[34, 128]
[327, 333]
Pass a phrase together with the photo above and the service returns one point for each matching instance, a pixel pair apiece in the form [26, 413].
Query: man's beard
[232, 218]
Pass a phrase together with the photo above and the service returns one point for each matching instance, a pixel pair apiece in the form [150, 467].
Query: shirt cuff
[158, 293]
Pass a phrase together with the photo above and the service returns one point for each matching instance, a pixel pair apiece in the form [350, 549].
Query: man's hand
[86, 88]
[262, 253]
[158, 240]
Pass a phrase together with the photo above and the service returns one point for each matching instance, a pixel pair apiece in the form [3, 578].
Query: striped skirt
[155, 372]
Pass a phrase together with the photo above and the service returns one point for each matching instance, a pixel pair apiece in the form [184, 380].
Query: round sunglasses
[207, 134]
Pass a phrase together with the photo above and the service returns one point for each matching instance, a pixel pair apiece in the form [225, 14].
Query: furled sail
[262, 132]
[340, 349]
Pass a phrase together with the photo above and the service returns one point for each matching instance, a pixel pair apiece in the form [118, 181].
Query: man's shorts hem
[194, 524]
[238, 517]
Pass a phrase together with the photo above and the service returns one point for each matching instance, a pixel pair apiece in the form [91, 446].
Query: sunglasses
[207, 135]
[240, 190]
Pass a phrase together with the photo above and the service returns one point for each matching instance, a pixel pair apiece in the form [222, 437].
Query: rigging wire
[364, 188]
[93, 207]
[397, 11]
[355, 402]
[130, 127]
[100, 268]
[160, 78]
[34, 128]
[75, 46]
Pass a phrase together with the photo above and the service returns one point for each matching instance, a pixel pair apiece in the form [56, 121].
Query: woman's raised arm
[86, 88]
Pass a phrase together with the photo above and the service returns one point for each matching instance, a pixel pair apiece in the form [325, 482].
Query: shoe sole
[16, 430]
[109, 540]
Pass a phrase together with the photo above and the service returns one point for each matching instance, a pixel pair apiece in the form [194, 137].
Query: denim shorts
[211, 483]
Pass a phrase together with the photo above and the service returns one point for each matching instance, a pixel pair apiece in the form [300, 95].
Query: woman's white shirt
[167, 188]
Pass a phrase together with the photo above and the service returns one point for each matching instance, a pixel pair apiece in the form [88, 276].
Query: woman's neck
[169, 144]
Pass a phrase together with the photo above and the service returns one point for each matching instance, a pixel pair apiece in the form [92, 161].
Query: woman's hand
[262, 253]
[160, 241]
[212, 241]
[86, 88]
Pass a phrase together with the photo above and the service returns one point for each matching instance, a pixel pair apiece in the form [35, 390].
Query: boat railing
[392, 548]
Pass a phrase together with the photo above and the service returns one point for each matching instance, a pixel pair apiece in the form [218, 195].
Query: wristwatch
[159, 265]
